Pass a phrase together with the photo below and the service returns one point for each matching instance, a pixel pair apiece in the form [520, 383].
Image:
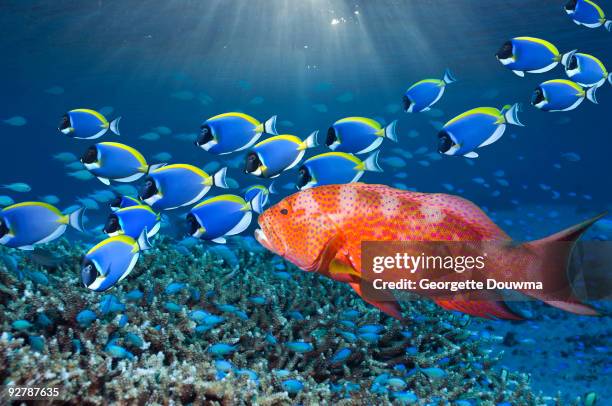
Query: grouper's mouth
[261, 238]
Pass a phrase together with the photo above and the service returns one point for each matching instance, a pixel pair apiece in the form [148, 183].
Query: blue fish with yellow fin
[111, 261]
[124, 201]
[358, 135]
[231, 132]
[587, 13]
[529, 54]
[177, 185]
[220, 216]
[425, 93]
[119, 162]
[26, 224]
[561, 95]
[253, 191]
[270, 157]
[335, 168]
[587, 70]
[476, 128]
[132, 221]
[87, 124]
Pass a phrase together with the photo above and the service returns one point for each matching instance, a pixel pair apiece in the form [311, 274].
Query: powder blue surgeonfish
[177, 185]
[358, 135]
[252, 192]
[424, 94]
[230, 132]
[87, 124]
[111, 261]
[132, 221]
[124, 201]
[528, 54]
[476, 128]
[119, 162]
[26, 224]
[270, 157]
[586, 70]
[221, 216]
[587, 13]
[335, 168]
[561, 95]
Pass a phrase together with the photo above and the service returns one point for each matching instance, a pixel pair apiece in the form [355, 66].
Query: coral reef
[216, 325]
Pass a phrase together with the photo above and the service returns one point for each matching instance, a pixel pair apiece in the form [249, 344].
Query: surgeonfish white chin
[207, 146]
[507, 61]
[67, 130]
[153, 199]
[92, 166]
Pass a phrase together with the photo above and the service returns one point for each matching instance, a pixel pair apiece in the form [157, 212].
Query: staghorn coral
[168, 361]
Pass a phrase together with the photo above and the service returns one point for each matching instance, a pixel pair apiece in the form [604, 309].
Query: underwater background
[166, 66]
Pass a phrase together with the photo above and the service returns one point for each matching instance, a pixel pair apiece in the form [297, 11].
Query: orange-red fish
[321, 230]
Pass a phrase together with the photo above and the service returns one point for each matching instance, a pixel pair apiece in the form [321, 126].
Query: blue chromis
[358, 135]
[561, 95]
[230, 132]
[220, 216]
[476, 128]
[252, 192]
[270, 157]
[587, 13]
[132, 221]
[111, 261]
[119, 162]
[87, 124]
[334, 168]
[177, 185]
[26, 224]
[528, 54]
[586, 70]
[121, 202]
[425, 93]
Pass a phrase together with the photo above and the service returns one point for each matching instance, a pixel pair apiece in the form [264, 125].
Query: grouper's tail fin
[553, 254]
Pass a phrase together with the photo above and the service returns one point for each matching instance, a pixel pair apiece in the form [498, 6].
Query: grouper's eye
[284, 212]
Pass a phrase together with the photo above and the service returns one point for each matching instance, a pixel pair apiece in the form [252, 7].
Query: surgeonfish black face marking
[303, 177]
[538, 96]
[252, 163]
[571, 5]
[331, 136]
[406, 103]
[505, 51]
[4, 230]
[88, 273]
[205, 136]
[445, 142]
[64, 122]
[112, 225]
[192, 224]
[116, 203]
[150, 189]
[572, 63]
[90, 156]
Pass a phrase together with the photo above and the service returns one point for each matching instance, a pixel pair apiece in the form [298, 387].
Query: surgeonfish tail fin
[511, 114]
[270, 126]
[143, 241]
[311, 140]
[610, 78]
[219, 178]
[608, 25]
[591, 94]
[565, 58]
[114, 126]
[75, 219]
[272, 188]
[553, 254]
[390, 132]
[449, 77]
[153, 167]
[371, 163]
[256, 204]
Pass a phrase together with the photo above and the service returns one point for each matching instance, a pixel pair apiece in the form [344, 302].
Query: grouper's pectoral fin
[387, 305]
[329, 252]
[480, 308]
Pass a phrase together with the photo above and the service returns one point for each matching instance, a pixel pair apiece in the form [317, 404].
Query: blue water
[176, 63]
